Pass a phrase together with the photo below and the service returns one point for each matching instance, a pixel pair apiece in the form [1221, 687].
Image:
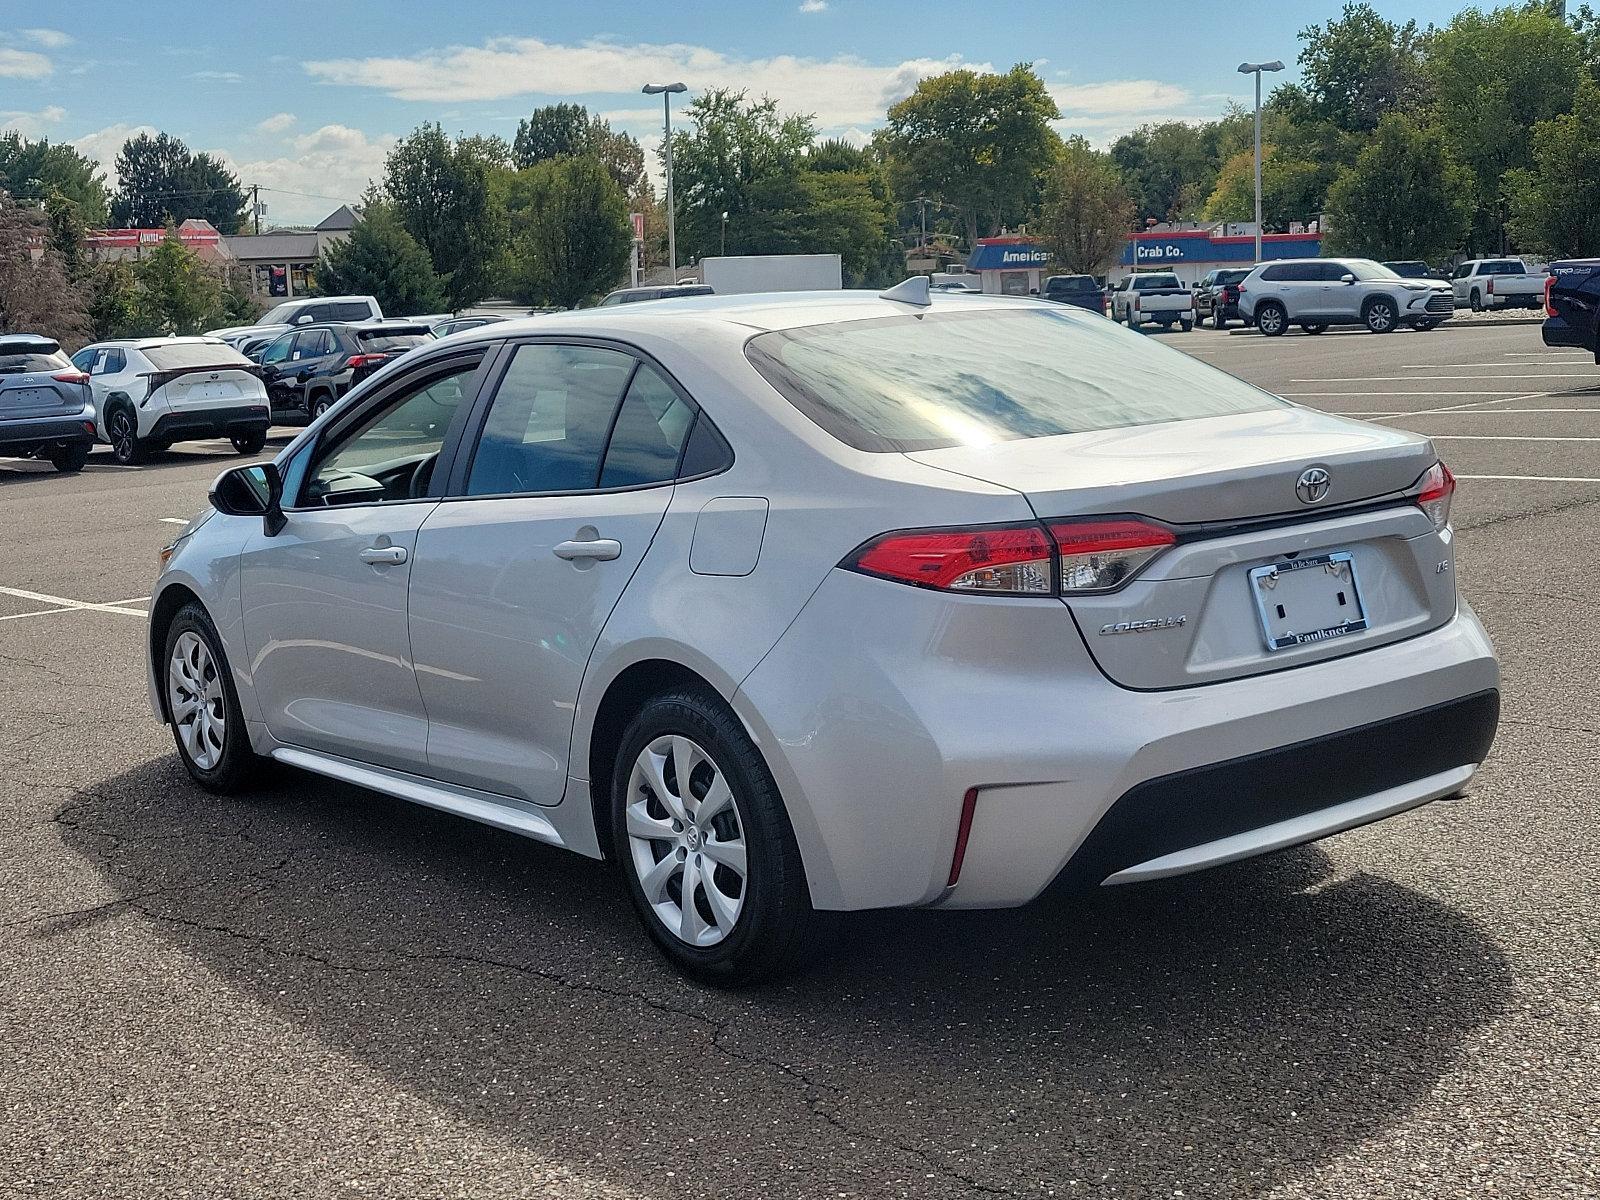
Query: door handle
[604, 549]
[384, 556]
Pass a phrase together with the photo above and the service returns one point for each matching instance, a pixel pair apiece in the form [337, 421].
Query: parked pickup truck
[1154, 296]
[1572, 305]
[1497, 283]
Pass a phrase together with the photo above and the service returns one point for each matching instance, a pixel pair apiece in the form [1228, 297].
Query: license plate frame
[1300, 578]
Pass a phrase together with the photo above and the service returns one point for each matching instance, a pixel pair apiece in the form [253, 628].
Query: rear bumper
[212, 422]
[29, 435]
[882, 706]
[1557, 331]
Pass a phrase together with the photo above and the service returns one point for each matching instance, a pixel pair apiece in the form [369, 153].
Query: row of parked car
[1311, 293]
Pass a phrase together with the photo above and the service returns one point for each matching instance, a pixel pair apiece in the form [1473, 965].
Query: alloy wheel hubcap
[686, 840]
[194, 696]
[122, 434]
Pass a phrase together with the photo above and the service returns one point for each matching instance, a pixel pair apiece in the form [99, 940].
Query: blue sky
[304, 99]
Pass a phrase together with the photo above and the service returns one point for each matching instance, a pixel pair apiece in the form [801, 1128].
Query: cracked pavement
[316, 991]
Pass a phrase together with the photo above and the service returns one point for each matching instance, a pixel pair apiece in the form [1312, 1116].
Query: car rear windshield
[378, 340]
[975, 378]
[25, 358]
[188, 355]
[1072, 283]
[1226, 277]
[1504, 266]
[1150, 283]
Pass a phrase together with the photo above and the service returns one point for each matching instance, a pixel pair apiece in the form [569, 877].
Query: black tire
[1218, 321]
[776, 930]
[1272, 318]
[1381, 315]
[122, 430]
[249, 443]
[1185, 324]
[238, 766]
[69, 459]
[319, 404]
[1475, 300]
[1314, 327]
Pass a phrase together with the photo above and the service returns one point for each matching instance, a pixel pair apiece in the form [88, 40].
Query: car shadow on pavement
[1219, 1034]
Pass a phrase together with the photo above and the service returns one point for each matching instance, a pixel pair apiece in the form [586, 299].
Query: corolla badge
[1313, 484]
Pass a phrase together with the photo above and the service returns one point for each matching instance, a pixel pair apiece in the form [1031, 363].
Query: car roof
[757, 312]
[152, 343]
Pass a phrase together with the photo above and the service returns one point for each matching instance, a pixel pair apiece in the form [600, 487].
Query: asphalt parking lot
[322, 992]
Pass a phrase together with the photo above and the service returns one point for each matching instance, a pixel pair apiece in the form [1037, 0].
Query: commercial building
[283, 263]
[1192, 250]
[123, 245]
[1009, 265]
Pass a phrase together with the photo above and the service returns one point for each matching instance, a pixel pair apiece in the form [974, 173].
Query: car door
[277, 372]
[324, 599]
[518, 569]
[1334, 298]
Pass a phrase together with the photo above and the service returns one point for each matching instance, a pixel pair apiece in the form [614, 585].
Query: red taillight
[1008, 560]
[72, 376]
[1434, 492]
[361, 360]
[969, 803]
[1491, 285]
[1549, 282]
[1100, 556]
[1059, 558]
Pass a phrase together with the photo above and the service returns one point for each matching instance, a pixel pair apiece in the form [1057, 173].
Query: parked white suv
[152, 392]
[1315, 293]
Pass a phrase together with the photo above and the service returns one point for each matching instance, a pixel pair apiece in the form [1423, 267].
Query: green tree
[1087, 213]
[175, 292]
[569, 232]
[1555, 204]
[33, 170]
[1494, 76]
[381, 259]
[65, 233]
[1406, 196]
[440, 193]
[980, 142]
[111, 303]
[1291, 189]
[161, 182]
[1170, 168]
[568, 131]
[1359, 67]
[806, 211]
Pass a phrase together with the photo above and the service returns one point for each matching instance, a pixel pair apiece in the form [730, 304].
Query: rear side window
[186, 355]
[547, 424]
[378, 340]
[24, 358]
[977, 378]
[648, 437]
[350, 310]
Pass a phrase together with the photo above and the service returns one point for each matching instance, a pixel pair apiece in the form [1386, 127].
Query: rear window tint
[975, 378]
[1149, 283]
[193, 354]
[24, 359]
[381, 340]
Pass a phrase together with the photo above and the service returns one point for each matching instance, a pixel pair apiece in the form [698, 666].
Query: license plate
[1308, 600]
[29, 398]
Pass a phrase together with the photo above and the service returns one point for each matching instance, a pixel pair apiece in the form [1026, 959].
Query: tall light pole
[666, 91]
[1256, 69]
[724, 249]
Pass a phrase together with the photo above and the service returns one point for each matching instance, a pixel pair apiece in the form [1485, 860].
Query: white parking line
[1474, 405]
[1534, 478]
[1489, 412]
[65, 605]
[1495, 392]
[174, 520]
[1443, 378]
[1505, 437]
[1553, 362]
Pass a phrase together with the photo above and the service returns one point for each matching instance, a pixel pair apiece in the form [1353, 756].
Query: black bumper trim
[211, 422]
[1194, 807]
[44, 431]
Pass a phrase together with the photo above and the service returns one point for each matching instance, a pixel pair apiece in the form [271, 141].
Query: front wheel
[1272, 319]
[1381, 316]
[320, 404]
[69, 459]
[705, 845]
[207, 722]
[249, 443]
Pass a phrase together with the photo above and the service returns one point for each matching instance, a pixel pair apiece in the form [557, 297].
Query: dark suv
[46, 409]
[311, 367]
[1217, 296]
[1082, 291]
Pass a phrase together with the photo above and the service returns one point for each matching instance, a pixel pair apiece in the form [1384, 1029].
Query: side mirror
[303, 319]
[251, 491]
[1347, 278]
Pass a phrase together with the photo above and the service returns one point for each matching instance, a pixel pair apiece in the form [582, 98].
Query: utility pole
[255, 205]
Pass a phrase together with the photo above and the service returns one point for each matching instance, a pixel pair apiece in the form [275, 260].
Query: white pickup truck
[1498, 283]
[1153, 296]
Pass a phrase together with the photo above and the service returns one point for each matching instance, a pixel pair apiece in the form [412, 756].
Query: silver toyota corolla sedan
[801, 603]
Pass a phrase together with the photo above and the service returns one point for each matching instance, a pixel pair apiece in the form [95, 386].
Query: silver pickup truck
[1157, 296]
[1498, 283]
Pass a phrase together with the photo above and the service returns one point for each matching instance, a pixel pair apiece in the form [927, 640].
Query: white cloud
[32, 124]
[277, 123]
[333, 165]
[51, 39]
[813, 6]
[218, 76]
[23, 64]
[840, 91]
[1119, 96]
[104, 144]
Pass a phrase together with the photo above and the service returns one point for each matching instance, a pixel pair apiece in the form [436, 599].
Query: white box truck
[736, 274]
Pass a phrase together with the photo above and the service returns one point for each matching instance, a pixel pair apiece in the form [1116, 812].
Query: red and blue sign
[1202, 246]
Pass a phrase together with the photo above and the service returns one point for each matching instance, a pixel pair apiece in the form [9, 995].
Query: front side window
[548, 422]
[997, 375]
[1366, 270]
[390, 455]
[280, 350]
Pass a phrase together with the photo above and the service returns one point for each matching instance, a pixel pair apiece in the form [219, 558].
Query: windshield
[975, 378]
[379, 341]
[1365, 268]
[281, 315]
[185, 355]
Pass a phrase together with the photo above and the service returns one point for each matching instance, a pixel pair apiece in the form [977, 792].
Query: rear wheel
[1381, 315]
[1186, 323]
[1476, 300]
[70, 458]
[1272, 318]
[704, 843]
[122, 429]
[320, 403]
[249, 443]
[207, 723]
